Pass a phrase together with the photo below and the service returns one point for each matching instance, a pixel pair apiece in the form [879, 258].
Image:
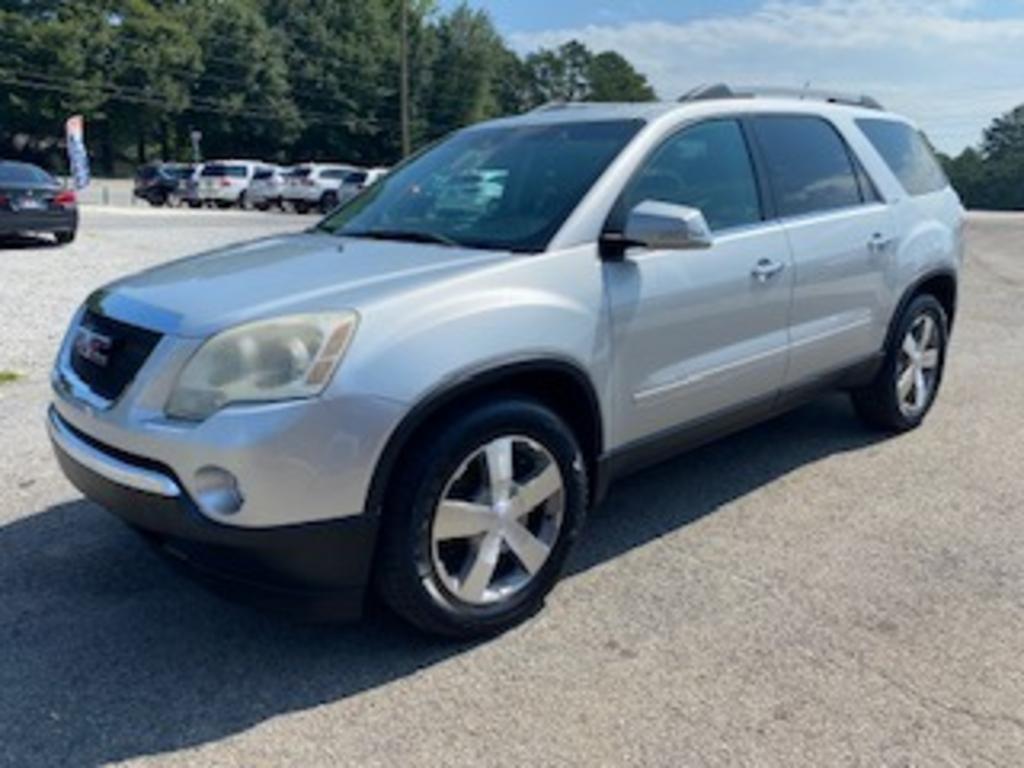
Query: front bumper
[318, 570]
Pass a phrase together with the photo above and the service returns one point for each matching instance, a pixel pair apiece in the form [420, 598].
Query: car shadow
[106, 654]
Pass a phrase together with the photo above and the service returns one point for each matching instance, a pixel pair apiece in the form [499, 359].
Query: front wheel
[906, 386]
[481, 518]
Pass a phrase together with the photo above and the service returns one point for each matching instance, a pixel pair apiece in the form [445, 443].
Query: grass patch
[9, 377]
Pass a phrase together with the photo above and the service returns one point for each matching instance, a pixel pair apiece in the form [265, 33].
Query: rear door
[698, 333]
[841, 235]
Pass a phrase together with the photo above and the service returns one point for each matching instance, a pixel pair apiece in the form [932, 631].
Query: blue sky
[952, 65]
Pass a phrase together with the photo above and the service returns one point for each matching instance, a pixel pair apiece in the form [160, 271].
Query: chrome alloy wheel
[918, 367]
[497, 521]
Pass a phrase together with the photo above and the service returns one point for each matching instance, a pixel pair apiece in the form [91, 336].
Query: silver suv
[425, 392]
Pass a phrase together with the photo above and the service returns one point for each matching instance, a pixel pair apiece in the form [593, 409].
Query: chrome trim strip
[665, 389]
[814, 338]
[112, 469]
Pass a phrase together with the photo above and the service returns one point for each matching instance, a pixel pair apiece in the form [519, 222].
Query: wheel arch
[559, 384]
[940, 283]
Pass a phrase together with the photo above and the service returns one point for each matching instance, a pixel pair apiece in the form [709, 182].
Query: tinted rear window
[808, 164]
[907, 154]
[22, 173]
[356, 178]
[215, 171]
[263, 173]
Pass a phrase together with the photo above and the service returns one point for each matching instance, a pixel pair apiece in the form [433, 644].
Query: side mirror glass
[657, 225]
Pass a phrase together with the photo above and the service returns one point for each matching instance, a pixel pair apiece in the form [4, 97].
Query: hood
[308, 272]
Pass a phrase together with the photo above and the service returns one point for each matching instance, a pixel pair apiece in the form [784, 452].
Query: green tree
[242, 99]
[155, 59]
[572, 72]
[562, 74]
[612, 78]
[992, 177]
[467, 71]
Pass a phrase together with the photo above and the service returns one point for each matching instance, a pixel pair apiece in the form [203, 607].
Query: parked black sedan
[162, 183]
[31, 200]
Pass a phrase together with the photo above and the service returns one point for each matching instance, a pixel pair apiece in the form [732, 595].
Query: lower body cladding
[318, 570]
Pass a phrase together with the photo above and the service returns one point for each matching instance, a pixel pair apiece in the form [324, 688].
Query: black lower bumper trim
[317, 570]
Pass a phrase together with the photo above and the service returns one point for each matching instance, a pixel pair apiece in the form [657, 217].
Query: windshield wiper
[404, 235]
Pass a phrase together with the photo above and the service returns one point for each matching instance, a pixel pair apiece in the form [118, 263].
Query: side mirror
[664, 226]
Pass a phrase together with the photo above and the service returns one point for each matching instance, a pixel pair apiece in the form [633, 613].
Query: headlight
[266, 361]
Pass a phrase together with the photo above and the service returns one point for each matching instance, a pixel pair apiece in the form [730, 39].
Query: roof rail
[550, 106]
[723, 91]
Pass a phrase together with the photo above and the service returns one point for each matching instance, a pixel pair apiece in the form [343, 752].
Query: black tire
[879, 403]
[328, 202]
[158, 199]
[195, 204]
[301, 207]
[68, 236]
[405, 576]
[262, 206]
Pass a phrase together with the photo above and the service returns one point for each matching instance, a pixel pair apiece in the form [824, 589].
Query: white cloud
[937, 62]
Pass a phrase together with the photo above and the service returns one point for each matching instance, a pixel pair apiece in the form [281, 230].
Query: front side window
[907, 154]
[707, 167]
[501, 188]
[808, 164]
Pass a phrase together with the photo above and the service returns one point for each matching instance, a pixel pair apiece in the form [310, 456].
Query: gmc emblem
[93, 346]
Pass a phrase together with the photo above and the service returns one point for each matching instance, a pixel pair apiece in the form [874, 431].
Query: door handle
[766, 269]
[879, 242]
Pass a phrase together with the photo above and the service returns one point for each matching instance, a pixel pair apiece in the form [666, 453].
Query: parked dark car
[31, 200]
[162, 183]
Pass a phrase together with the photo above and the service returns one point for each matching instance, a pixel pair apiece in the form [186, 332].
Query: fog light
[217, 491]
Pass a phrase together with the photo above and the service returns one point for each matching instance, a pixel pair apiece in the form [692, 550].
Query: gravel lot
[801, 594]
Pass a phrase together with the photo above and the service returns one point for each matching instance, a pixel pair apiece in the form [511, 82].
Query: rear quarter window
[907, 154]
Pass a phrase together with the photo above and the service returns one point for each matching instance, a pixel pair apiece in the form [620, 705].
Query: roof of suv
[650, 111]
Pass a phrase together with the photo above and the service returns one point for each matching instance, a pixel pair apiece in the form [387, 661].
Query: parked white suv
[267, 187]
[357, 181]
[315, 186]
[427, 391]
[225, 183]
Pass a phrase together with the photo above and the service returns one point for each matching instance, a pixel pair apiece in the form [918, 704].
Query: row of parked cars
[253, 184]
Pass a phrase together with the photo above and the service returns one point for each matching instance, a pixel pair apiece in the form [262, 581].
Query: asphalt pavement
[803, 593]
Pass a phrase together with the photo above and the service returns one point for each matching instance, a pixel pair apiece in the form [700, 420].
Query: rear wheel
[906, 386]
[63, 238]
[328, 202]
[481, 518]
[301, 207]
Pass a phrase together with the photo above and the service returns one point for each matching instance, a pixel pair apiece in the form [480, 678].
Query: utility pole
[404, 87]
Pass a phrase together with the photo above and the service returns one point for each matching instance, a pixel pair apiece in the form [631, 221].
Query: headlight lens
[266, 361]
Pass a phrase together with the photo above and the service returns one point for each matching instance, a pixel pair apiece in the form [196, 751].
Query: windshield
[505, 188]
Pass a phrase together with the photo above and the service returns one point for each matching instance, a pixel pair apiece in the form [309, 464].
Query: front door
[698, 333]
